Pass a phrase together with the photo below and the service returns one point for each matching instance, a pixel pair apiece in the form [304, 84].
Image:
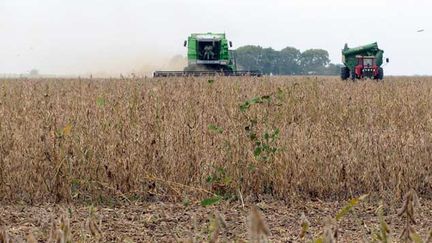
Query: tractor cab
[366, 67]
[367, 61]
[209, 52]
[208, 48]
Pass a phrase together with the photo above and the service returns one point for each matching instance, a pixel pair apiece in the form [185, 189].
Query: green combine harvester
[208, 55]
[362, 62]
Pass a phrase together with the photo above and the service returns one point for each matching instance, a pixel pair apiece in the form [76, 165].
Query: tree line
[288, 61]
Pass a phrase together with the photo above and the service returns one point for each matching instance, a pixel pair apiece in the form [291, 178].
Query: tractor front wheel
[380, 74]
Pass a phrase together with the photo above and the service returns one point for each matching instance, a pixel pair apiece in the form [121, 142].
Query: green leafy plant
[100, 101]
[211, 201]
[221, 184]
[214, 128]
[256, 100]
[263, 141]
[264, 146]
[349, 206]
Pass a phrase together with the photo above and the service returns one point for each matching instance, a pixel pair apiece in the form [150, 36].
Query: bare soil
[171, 222]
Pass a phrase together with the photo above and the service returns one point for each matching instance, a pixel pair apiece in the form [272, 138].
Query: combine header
[362, 62]
[208, 55]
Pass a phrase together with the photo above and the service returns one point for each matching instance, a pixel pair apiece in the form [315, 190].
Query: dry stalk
[330, 232]
[65, 228]
[304, 224]
[4, 237]
[383, 234]
[52, 234]
[94, 227]
[410, 203]
[31, 238]
[258, 230]
[219, 224]
[429, 239]
[328, 236]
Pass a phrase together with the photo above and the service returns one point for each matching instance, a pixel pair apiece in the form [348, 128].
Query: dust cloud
[142, 65]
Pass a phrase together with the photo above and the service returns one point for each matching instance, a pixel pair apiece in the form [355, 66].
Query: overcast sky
[113, 36]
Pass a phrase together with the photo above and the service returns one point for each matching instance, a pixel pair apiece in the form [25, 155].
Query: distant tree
[269, 61]
[332, 69]
[289, 62]
[314, 60]
[249, 57]
[34, 72]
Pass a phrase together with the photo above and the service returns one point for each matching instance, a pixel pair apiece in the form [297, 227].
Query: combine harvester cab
[362, 62]
[208, 55]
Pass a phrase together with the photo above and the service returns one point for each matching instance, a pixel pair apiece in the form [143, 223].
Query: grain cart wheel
[380, 74]
[344, 73]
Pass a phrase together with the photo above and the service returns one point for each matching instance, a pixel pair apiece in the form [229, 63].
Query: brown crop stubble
[104, 140]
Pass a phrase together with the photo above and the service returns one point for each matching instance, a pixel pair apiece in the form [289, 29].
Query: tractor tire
[345, 73]
[353, 75]
[380, 75]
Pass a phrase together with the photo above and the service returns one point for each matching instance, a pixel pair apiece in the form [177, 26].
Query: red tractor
[367, 68]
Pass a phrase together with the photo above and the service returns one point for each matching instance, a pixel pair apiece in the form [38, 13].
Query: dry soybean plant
[110, 141]
[62, 232]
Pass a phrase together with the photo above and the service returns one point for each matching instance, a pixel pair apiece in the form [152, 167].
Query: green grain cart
[208, 55]
[362, 62]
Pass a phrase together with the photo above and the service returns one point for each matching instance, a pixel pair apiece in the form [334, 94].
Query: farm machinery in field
[208, 55]
[362, 62]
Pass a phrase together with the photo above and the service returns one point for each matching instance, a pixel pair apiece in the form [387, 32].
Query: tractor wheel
[344, 73]
[353, 75]
[380, 74]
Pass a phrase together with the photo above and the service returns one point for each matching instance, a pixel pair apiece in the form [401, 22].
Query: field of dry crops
[192, 141]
